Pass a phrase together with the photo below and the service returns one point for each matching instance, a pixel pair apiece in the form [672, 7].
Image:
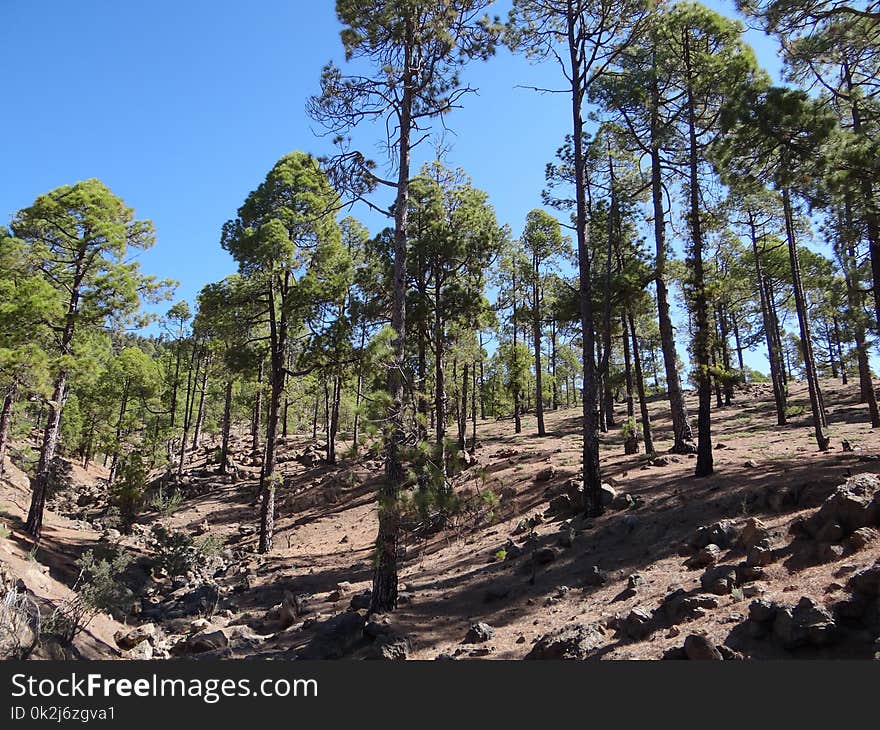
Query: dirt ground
[452, 579]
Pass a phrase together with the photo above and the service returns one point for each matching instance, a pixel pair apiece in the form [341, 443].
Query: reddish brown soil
[321, 542]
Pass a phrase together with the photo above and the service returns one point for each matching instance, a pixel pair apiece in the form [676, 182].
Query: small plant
[501, 555]
[794, 411]
[97, 589]
[19, 625]
[4, 531]
[166, 505]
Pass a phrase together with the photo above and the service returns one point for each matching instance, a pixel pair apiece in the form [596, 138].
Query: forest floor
[612, 575]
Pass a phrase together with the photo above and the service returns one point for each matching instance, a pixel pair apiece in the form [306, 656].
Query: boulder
[722, 533]
[866, 581]
[336, 637]
[546, 474]
[698, 647]
[806, 624]
[719, 580]
[390, 647]
[705, 557]
[571, 642]
[636, 625]
[595, 576]
[127, 640]
[752, 533]
[678, 606]
[479, 633]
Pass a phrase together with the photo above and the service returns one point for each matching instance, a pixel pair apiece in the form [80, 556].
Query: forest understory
[765, 559]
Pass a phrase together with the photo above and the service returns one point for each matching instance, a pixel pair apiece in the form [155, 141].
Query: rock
[545, 555]
[807, 624]
[678, 606]
[719, 580]
[288, 613]
[624, 501]
[751, 464]
[746, 573]
[247, 530]
[512, 551]
[752, 533]
[637, 624]
[595, 576]
[861, 538]
[335, 637]
[722, 533]
[608, 494]
[660, 461]
[202, 642]
[571, 642]
[389, 647]
[830, 532]
[853, 505]
[760, 554]
[866, 581]
[634, 581]
[479, 633]
[698, 647]
[762, 611]
[142, 651]
[828, 552]
[560, 504]
[705, 557]
[574, 491]
[546, 474]
[361, 601]
[496, 592]
[566, 536]
[126, 640]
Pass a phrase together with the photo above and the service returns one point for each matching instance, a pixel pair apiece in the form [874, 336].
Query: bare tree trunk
[6, 421]
[647, 435]
[631, 442]
[227, 427]
[819, 421]
[200, 417]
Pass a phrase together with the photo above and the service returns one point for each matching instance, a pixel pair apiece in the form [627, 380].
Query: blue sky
[182, 107]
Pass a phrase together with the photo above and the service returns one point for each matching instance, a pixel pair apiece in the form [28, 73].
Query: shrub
[127, 493]
[97, 589]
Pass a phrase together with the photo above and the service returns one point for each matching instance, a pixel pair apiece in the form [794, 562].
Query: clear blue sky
[182, 106]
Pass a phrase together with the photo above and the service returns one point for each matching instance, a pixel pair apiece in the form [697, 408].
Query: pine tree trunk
[227, 427]
[384, 596]
[200, 417]
[705, 465]
[647, 434]
[6, 421]
[631, 442]
[819, 420]
[593, 506]
[682, 434]
[536, 339]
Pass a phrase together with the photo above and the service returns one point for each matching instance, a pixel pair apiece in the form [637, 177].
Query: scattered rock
[575, 641]
[752, 533]
[479, 633]
[705, 557]
[335, 637]
[807, 624]
[127, 640]
[698, 647]
[546, 474]
[719, 580]
[361, 601]
[595, 576]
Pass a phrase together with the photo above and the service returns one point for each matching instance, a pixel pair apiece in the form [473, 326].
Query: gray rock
[719, 580]
[361, 601]
[390, 647]
[678, 606]
[709, 555]
[698, 647]
[479, 633]
[866, 581]
[336, 637]
[572, 642]
[637, 624]
[595, 576]
[753, 532]
[760, 554]
[546, 474]
[127, 640]
[807, 624]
